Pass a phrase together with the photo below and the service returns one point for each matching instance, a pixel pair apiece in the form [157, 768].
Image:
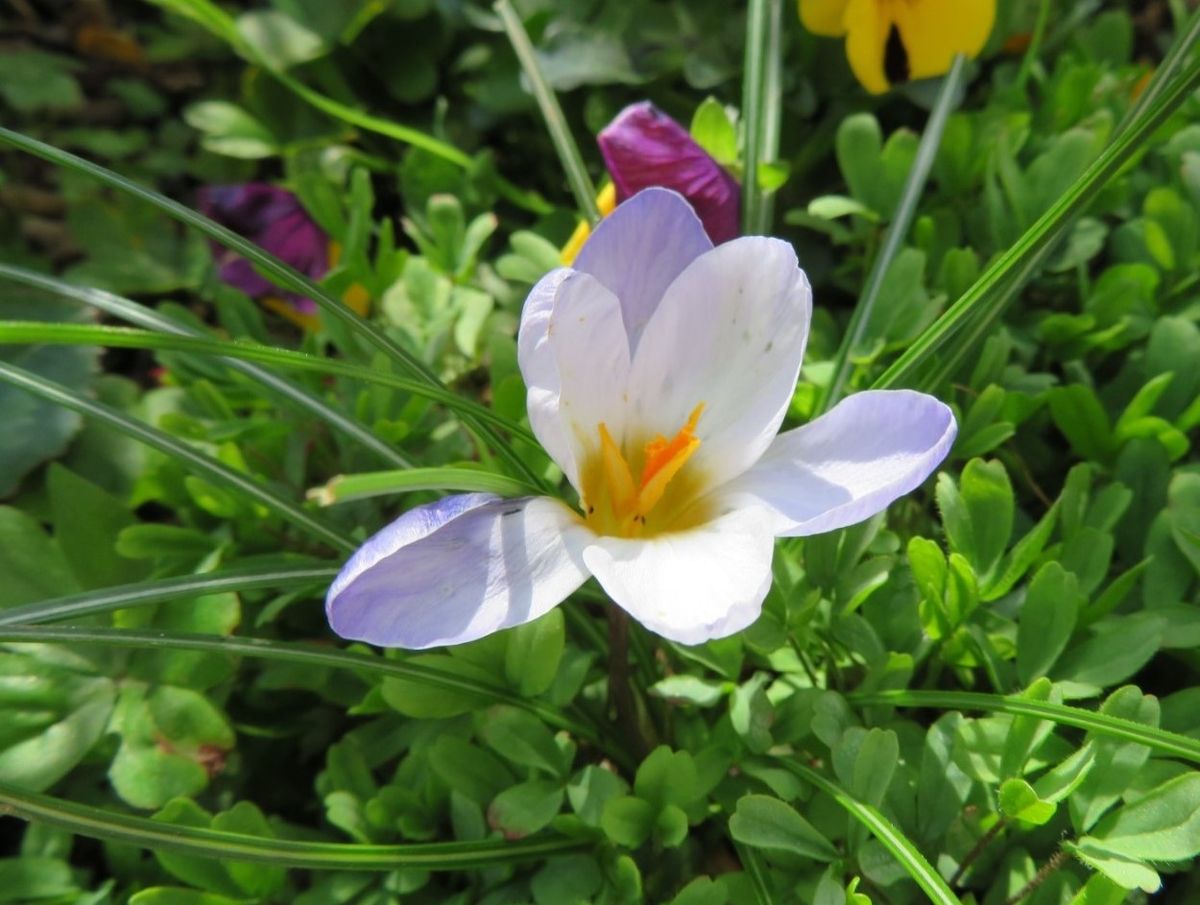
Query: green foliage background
[987, 694]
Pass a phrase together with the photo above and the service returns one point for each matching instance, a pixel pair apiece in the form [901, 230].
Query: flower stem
[620, 690]
[984, 841]
[556, 123]
[1056, 861]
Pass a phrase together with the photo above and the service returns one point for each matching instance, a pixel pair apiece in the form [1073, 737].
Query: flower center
[617, 504]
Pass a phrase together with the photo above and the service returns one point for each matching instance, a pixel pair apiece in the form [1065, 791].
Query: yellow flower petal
[933, 31]
[867, 25]
[824, 17]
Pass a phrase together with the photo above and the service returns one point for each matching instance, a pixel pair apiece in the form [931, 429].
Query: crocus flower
[659, 369]
[274, 219]
[889, 41]
[644, 148]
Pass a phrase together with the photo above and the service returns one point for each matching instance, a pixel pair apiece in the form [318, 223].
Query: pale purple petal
[639, 249]
[849, 464]
[689, 586]
[539, 369]
[457, 570]
[730, 334]
[644, 147]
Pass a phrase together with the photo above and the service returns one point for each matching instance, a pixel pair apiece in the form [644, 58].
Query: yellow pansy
[891, 41]
[606, 201]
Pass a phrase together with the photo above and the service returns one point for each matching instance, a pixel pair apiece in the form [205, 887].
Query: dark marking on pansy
[895, 57]
[512, 511]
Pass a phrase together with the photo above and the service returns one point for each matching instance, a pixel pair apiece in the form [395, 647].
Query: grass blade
[30, 332]
[556, 124]
[900, 846]
[97, 823]
[223, 26]
[988, 293]
[754, 114]
[210, 468]
[348, 487]
[897, 230]
[753, 866]
[1160, 740]
[145, 592]
[282, 274]
[150, 319]
[318, 657]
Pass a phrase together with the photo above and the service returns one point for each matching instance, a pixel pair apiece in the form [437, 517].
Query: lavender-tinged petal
[644, 147]
[639, 249]
[539, 369]
[849, 464]
[457, 570]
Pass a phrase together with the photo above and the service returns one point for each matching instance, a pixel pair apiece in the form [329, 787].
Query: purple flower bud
[274, 219]
[643, 147]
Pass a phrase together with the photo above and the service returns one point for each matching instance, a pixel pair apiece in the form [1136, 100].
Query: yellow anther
[622, 494]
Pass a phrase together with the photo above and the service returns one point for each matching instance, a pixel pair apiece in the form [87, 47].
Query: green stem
[282, 274]
[1035, 45]
[152, 320]
[1160, 740]
[901, 847]
[897, 230]
[211, 468]
[754, 113]
[984, 292]
[157, 835]
[556, 124]
[144, 592]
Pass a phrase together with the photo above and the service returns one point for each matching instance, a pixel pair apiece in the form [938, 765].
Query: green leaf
[1100, 890]
[1048, 618]
[761, 821]
[469, 770]
[149, 777]
[279, 40]
[713, 131]
[175, 895]
[29, 878]
[32, 564]
[230, 130]
[1125, 872]
[524, 809]
[627, 820]
[86, 521]
[36, 429]
[1019, 801]
[1118, 648]
[533, 653]
[591, 790]
[1163, 825]
[521, 738]
[573, 878]
[32, 80]
[667, 777]
[419, 700]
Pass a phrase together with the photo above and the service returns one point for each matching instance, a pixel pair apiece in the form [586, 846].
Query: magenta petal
[274, 219]
[644, 147]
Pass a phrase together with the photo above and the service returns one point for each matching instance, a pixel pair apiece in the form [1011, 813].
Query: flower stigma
[618, 505]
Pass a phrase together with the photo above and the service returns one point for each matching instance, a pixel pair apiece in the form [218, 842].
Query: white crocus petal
[640, 248]
[539, 369]
[459, 569]
[729, 333]
[591, 354]
[849, 464]
[689, 586]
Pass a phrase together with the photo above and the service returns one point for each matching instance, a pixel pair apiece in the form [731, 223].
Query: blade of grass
[321, 657]
[988, 293]
[753, 866]
[556, 124]
[156, 835]
[897, 230]
[772, 106]
[1160, 740]
[348, 487]
[223, 26]
[900, 846]
[282, 274]
[31, 332]
[212, 469]
[754, 114]
[1172, 62]
[106, 600]
[150, 319]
